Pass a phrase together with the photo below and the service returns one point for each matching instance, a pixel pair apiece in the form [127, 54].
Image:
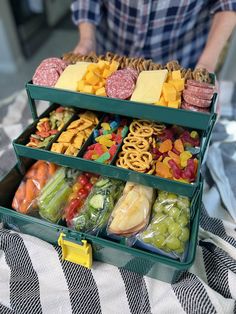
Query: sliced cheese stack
[93, 81]
[132, 211]
[149, 86]
[171, 91]
[71, 75]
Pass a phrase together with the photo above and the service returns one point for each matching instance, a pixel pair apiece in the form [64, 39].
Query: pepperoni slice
[195, 101]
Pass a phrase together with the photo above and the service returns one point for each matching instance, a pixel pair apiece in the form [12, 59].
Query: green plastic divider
[128, 108]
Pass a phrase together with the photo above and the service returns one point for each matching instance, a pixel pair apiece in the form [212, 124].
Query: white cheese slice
[149, 86]
[71, 75]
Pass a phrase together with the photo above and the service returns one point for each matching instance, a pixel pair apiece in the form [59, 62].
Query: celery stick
[52, 184]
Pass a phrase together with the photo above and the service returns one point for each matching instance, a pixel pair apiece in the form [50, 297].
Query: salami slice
[46, 77]
[49, 71]
[198, 94]
[187, 106]
[133, 72]
[198, 89]
[198, 102]
[120, 85]
[200, 84]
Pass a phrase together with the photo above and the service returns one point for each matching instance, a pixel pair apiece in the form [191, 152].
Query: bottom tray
[105, 250]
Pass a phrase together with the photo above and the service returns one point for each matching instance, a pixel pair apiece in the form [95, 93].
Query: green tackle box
[103, 249]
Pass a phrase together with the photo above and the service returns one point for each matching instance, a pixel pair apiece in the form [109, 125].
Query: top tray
[128, 108]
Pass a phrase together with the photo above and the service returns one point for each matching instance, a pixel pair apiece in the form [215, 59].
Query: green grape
[159, 217]
[167, 208]
[173, 243]
[181, 249]
[172, 196]
[183, 202]
[184, 234]
[158, 207]
[174, 229]
[174, 212]
[159, 241]
[162, 196]
[169, 220]
[183, 220]
[160, 227]
[166, 249]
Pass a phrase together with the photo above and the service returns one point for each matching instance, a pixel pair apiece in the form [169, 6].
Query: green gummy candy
[124, 131]
[104, 157]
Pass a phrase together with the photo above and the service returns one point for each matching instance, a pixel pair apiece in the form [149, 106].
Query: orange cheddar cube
[176, 75]
[169, 92]
[88, 89]
[178, 84]
[101, 92]
[91, 78]
[174, 104]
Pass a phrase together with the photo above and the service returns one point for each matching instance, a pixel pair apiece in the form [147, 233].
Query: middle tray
[109, 170]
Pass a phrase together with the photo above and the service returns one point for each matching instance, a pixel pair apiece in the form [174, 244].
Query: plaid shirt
[162, 30]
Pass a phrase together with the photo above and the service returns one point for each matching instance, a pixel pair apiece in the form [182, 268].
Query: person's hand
[85, 46]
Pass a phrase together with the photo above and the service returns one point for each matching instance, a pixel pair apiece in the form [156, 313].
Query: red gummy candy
[91, 147]
[186, 138]
[175, 151]
[118, 139]
[98, 149]
[88, 154]
[113, 136]
[189, 171]
[177, 172]
[112, 150]
[167, 134]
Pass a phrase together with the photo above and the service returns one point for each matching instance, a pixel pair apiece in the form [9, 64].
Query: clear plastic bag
[54, 195]
[25, 199]
[97, 208]
[168, 231]
[132, 211]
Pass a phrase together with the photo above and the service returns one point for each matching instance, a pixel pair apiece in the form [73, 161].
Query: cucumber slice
[102, 182]
[97, 201]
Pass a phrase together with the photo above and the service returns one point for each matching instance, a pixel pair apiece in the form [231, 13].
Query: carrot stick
[29, 190]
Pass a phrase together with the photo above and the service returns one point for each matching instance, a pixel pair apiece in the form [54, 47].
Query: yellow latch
[76, 253]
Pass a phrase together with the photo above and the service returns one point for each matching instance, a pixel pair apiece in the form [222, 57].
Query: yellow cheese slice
[149, 86]
[71, 75]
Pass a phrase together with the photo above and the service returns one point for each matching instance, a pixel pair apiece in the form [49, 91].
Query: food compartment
[105, 142]
[71, 141]
[42, 132]
[166, 151]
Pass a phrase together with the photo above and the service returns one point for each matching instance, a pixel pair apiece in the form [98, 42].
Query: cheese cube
[101, 92]
[80, 85]
[91, 78]
[149, 85]
[162, 102]
[174, 104]
[106, 73]
[114, 66]
[92, 67]
[88, 89]
[101, 65]
[178, 84]
[176, 75]
[169, 92]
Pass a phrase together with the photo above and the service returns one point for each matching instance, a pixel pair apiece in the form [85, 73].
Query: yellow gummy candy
[184, 157]
[107, 143]
[106, 126]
